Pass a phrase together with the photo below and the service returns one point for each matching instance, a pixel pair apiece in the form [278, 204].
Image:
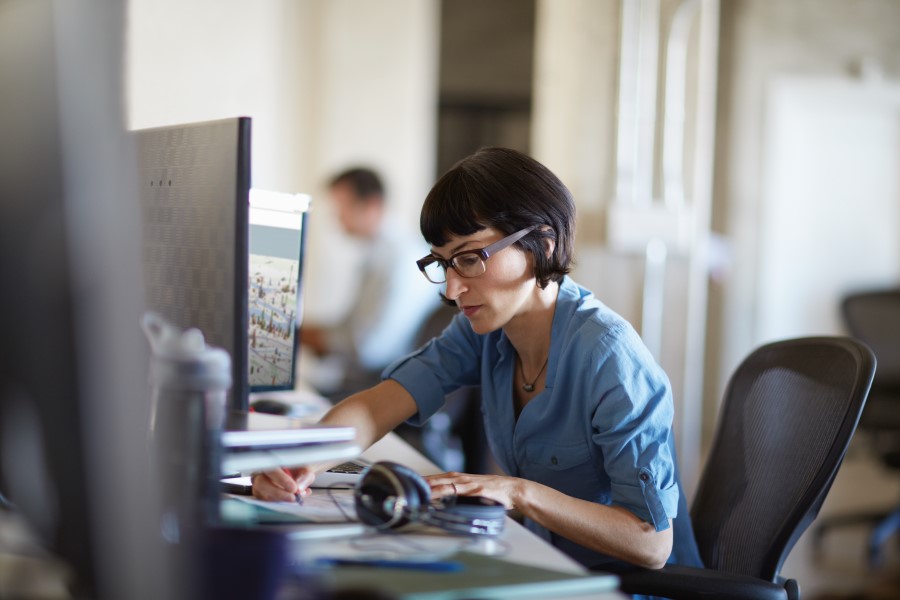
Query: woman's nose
[455, 284]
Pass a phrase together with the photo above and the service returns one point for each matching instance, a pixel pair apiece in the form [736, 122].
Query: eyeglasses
[468, 263]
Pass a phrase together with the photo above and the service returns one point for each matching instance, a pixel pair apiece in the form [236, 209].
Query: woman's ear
[549, 245]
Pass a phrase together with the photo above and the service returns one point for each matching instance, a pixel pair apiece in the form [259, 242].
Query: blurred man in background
[391, 303]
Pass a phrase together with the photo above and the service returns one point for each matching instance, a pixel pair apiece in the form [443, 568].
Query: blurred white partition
[830, 205]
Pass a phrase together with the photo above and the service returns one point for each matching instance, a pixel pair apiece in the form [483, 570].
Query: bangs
[450, 210]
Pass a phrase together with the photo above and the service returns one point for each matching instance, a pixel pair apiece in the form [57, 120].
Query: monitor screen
[276, 261]
[194, 191]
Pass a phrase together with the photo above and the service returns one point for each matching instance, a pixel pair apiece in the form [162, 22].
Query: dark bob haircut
[508, 191]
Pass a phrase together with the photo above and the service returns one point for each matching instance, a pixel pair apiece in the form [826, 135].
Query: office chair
[874, 318]
[787, 417]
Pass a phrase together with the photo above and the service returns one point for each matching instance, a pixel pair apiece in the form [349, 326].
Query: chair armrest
[689, 583]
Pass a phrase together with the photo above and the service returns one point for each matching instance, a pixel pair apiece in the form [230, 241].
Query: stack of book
[266, 442]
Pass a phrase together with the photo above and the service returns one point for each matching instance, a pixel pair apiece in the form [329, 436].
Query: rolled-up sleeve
[443, 365]
[632, 425]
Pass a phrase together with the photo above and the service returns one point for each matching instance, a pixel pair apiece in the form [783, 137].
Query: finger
[284, 479]
[441, 478]
[445, 488]
[264, 489]
[304, 479]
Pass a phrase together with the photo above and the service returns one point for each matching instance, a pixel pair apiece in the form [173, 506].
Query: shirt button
[644, 477]
[553, 460]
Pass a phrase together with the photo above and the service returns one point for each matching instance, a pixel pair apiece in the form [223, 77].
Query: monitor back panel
[194, 191]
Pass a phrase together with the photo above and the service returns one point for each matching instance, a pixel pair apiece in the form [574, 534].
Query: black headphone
[390, 495]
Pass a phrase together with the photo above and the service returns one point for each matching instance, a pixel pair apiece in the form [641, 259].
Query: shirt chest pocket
[565, 467]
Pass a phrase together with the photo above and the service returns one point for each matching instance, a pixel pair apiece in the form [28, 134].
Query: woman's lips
[470, 310]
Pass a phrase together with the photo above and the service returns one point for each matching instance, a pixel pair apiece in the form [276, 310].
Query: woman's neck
[529, 331]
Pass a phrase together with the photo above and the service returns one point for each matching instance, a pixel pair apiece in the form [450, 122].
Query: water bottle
[189, 383]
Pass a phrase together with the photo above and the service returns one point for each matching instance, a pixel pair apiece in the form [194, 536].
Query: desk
[525, 547]
[520, 545]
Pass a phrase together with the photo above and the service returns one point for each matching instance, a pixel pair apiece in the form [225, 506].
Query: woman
[577, 412]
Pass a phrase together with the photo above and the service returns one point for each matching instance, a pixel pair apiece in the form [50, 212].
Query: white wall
[573, 123]
[203, 60]
[375, 91]
[830, 201]
[327, 83]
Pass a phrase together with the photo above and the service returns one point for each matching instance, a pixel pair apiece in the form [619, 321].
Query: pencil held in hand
[297, 494]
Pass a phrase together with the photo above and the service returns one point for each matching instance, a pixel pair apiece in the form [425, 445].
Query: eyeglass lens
[467, 265]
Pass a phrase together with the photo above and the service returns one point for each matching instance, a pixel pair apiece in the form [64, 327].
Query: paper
[325, 506]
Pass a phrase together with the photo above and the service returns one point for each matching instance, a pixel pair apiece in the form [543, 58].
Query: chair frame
[674, 581]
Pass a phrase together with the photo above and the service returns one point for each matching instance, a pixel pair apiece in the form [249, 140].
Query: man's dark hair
[365, 182]
[508, 191]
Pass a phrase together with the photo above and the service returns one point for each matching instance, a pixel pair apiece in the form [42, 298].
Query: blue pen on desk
[440, 566]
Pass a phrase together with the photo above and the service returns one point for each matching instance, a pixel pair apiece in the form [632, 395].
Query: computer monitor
[194, 192]
[73, 387]
[277, 226]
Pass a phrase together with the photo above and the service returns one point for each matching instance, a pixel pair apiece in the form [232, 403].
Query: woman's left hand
[500, 488]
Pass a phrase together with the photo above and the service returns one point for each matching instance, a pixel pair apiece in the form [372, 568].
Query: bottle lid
[187, 348]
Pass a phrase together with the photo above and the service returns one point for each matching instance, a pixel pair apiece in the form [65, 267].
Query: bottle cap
[182, 358]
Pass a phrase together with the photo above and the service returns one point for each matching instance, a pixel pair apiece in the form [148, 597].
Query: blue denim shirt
[601, 430]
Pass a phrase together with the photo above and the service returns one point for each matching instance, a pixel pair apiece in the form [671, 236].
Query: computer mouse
[271, 406]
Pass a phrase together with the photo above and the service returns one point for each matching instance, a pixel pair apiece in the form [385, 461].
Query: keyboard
[344, 474]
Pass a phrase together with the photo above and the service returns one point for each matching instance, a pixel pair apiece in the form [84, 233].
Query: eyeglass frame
[483, 253]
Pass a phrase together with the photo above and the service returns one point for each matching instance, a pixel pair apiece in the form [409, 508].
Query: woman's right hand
[283, 485]
[373, 413]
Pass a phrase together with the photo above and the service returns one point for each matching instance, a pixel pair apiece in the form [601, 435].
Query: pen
[297, 495]
[438, 566]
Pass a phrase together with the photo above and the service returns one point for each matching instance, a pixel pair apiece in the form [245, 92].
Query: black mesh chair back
[788, 415]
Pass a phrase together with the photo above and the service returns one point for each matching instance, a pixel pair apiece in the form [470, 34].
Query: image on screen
[275, 242]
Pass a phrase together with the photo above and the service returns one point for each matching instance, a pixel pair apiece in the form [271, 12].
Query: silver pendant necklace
[526, 386]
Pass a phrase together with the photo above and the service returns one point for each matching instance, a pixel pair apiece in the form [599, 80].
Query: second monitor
[277, 223]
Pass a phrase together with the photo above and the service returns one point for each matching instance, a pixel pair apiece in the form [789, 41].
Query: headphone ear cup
[417, 489]
[391, 495]
[369, 496]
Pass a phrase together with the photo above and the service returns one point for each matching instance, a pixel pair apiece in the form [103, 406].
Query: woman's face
[502, 292]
